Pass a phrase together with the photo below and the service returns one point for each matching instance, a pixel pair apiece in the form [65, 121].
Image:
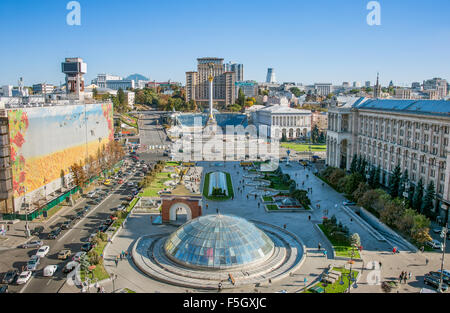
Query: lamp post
[27, 228]
[444, 236]
[113, 278]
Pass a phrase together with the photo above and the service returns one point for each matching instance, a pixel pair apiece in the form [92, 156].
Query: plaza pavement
[139, 225]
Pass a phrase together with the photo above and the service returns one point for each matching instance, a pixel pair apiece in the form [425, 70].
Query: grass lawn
[341, 249]
[156, 185]
[50, 213]
[336, 287]
[172, 163]
[268, 199]
[272, 207]
[303, 147]
[218, 198]
[276, 182]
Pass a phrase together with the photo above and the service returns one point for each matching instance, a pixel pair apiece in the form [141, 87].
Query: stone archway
[291, 133]
[298, 133]
[191, 205]
[180, 208]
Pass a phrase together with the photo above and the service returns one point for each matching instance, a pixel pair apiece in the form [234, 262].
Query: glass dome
[218, 242]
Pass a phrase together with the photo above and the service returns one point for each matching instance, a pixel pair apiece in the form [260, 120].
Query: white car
[434, 244]
[23, 278]
[33, 263]
[42, 252]
[91, 194]
[77, 257]
[49, 270]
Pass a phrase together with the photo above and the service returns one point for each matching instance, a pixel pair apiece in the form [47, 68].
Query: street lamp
[444, 236]
[113, 278]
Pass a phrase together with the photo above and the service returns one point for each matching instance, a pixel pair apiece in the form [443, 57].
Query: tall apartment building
[237, 68]
[413, 134]
[271, 78]
[197, 84]
[438, 84]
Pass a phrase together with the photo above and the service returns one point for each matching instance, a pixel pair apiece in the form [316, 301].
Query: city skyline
[332, 43]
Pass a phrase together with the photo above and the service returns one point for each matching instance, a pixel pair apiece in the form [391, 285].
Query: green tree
[377, 177]
[418, 195]
[354, 164]
[403, 182]
[427, 204]
[94, 93]
[315, 134]
[394, 182]
[297, 92]
[241, 97]
[355, 240]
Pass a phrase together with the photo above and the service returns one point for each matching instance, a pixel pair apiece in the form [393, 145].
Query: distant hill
[137, 77]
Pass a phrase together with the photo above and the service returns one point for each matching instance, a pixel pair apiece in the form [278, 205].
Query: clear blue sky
[305, 41]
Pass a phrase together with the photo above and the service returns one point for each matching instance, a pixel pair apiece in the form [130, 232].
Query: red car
[120, 181]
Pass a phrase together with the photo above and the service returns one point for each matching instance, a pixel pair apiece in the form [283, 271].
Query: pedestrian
[426, 261]
[284, 226]
[379, 264]
[319, 246]
[400, 278]
[405, 277]
[116, 261]
[309, 217]
[270, 281]
[259, 204]
[409, 275]
[7, 227]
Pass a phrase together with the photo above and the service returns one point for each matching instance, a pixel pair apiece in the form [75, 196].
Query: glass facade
[218, 241]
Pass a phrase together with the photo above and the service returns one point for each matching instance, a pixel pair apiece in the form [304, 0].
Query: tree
[394, 182]
[355, 240]
[403, 182]
[315, 134]
[371, 181]
[377, 177]
[392, 212]
[354, 164]
[94, 93]
[241, 97]
[418, 195]
[361, 190]
[78, 174]
[297, 92]
[427, 204]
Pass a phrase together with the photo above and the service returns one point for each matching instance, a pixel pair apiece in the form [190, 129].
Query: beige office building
[197, 84]
[409, 133]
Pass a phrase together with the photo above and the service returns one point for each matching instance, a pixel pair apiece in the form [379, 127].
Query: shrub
[94, 258]
[335, 176]
[360, 191]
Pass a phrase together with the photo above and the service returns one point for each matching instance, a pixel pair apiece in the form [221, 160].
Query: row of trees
[418, 198]
[106, 157]
[298, 194]
[399, 213]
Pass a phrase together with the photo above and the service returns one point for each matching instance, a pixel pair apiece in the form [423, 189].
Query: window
[441, 188]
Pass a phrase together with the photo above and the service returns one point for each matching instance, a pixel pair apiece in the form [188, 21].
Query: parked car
[10, 276]
[78, 256]
[103, 228]
[37, 230]
[4, 289]
[91, 194]
[42, 252]
[108, 222]
[434, 282]
[79, 215]
[445, 278]
[435, 244]
[446, 273]
[23, 278]
[70, 267]
[64, 254]
[33, 244]
[66, 225]
[54, 233]
[87, 247]
[33, 263]
[50, 270]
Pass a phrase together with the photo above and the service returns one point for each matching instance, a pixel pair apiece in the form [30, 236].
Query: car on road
[33, 244]
[70, 267]
[4, 289]
[445, 278]
[50, 270]
[24, 277]
[435, 244]
[54, 233]
[348, 203]
[91, 194]
[78, 256]
[66, 225]
[434, 282]
[10, 276]
[64, 254]
[79, 215]
[37, 230]
[42, 252]
[87, 247]
[103, 228]
[33, 263]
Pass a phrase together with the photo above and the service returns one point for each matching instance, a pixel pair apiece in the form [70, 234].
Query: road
[72, 239]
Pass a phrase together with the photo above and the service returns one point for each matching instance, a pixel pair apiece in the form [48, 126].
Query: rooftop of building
[279, 109]
[427, 107]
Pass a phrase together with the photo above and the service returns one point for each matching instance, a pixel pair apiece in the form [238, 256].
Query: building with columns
[293, 123]
[413, 134]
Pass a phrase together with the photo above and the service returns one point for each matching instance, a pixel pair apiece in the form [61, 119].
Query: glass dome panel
[217, 242]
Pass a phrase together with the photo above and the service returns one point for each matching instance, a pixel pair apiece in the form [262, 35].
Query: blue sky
[305, 41]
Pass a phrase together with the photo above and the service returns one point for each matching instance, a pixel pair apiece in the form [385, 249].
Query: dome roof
[218, 242]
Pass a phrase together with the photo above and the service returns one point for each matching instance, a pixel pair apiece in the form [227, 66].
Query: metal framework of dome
[218, 242]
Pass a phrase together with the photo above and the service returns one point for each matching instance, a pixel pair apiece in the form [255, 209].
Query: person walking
[409, 275]
[309, 217]
[400, 278]
[405, 277]
[259, 204]
[116, 261]
[426, 261]
[319, 246]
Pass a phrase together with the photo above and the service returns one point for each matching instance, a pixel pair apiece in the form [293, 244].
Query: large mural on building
[46, 141]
